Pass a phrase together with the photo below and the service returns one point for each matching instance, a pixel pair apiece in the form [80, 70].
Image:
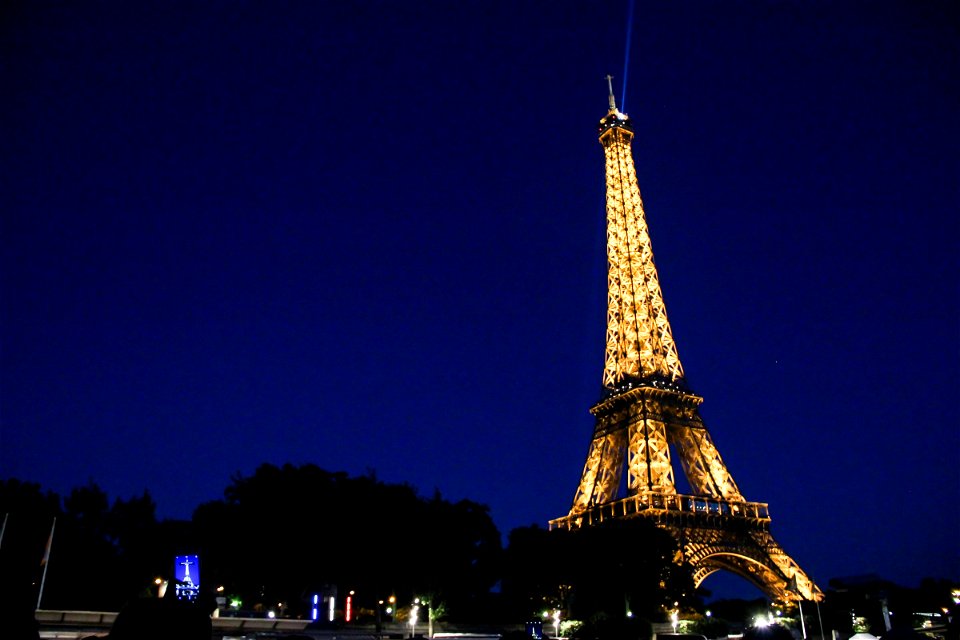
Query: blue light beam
[626, 56]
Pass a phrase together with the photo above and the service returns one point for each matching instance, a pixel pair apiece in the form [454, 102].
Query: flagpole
[4, 529]
[46, 561]
[794, 587]
[822, 637]
[803, 625]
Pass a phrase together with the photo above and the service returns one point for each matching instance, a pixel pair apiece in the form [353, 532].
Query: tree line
[287, 532]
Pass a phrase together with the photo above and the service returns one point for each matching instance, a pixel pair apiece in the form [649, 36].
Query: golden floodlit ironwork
[647, 407]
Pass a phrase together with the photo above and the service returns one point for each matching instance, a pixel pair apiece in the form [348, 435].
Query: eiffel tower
[646, 407]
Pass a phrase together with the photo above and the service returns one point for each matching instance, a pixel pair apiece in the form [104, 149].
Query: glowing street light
[556, 621]
[763, 620]
[414, 611]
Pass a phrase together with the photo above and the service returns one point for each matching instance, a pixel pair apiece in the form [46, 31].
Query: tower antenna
[611, 100]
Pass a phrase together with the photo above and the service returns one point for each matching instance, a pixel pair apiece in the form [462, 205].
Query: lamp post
[414, 610]
[556, 621]
[379, 619]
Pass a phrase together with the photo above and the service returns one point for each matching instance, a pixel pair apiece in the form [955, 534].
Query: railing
[79, 618]
[107, 618]
[665, 503]
[259, 624]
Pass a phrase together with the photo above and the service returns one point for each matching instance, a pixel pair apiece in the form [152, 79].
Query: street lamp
[556, 621]
[379, 618]
[429, 606]
[414, 610]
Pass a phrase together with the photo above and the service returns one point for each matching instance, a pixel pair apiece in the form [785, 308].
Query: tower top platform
[614, 118]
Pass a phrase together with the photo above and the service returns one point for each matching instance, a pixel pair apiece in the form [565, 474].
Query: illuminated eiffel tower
[646, 407]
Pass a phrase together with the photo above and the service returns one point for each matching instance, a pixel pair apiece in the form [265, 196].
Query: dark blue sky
[369, 236]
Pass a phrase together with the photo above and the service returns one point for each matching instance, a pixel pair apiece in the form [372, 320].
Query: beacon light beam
[626, 55]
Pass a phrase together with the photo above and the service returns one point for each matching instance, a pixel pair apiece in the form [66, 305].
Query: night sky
[370, 236]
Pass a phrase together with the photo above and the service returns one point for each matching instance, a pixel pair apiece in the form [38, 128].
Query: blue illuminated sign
[186, 571]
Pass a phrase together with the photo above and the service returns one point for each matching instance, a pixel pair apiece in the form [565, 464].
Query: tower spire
[640, 345]
[611, 99]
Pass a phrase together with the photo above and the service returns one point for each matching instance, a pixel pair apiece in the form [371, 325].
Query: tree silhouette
[284, 532]
[602, 570]
[288, 532]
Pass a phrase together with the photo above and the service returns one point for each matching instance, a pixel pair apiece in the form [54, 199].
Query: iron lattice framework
[647, 407]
